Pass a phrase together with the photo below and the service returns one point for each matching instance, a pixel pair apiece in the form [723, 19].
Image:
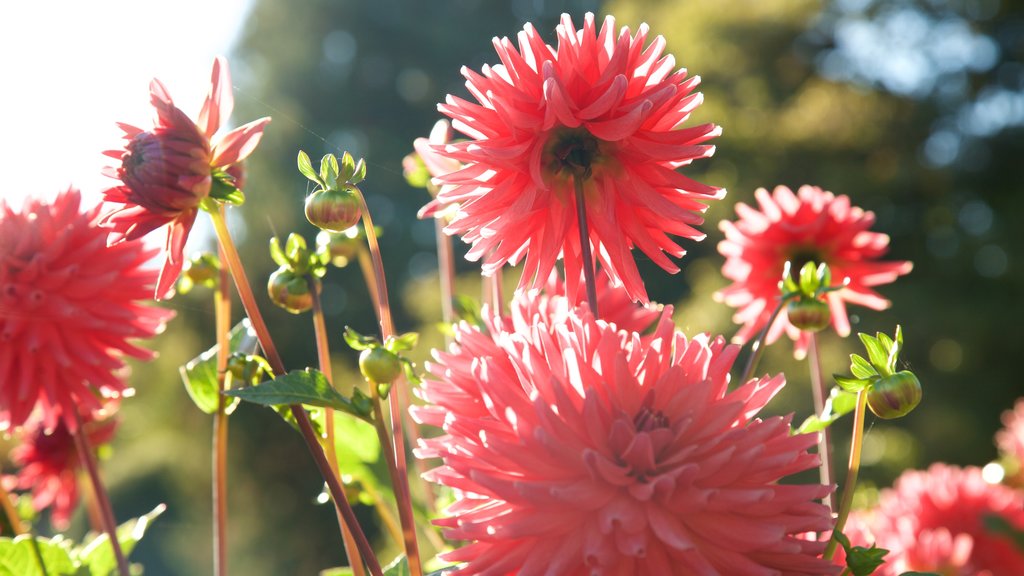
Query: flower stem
[398, 402]
[222, 314]
[305, 428]
[856, 443]
[757, 349]
[819, 392]
[12, 514]
[588, 259]
[88, 458]
[324, 356]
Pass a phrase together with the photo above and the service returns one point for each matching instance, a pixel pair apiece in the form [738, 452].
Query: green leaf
[400, 567]
[877, 354]
[18, 557]
[357, 341]
[402, 342]
[860, 367]
[297, 387]
[851, 384]
[98, 555]
[306, 167]
[200, 374]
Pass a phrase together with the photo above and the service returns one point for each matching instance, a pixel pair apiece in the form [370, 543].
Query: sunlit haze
[71, 69]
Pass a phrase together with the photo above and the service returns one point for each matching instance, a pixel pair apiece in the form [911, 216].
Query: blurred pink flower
[167, 171]
[552, 306]
[1010, 440]
[576, 448]
[49, 466]
[600, 107]
[811, 225]
[70, 306]
[938, 521]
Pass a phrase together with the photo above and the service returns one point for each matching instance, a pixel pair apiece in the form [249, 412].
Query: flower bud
[342, 247]
[290, 291]
[379, 365]
[334, 209]
[895, 395]
[809, 314]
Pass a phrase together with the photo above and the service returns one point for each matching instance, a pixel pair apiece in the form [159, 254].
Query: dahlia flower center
[647, 420]
[572, 152]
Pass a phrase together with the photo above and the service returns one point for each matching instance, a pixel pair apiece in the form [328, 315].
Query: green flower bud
[290, 291]
[334, 209]
[379, 365]
[895, 395]
[809, 314]
[342, 247]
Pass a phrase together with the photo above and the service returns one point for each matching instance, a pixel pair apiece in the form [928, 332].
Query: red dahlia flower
[49, 466]
[941, 520]
[601, 108]
[577, 448]
[69, 308]
[812, 225]
[167, 171]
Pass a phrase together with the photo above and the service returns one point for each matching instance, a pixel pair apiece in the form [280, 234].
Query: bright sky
[70, 69]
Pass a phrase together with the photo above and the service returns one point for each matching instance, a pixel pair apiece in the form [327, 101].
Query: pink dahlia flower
[1010, 440]
[811, 225]
[552, 306]
[167, 171]
[600, 107]
[577, 448]
[70, 307]
[940, 520]
[49, 466]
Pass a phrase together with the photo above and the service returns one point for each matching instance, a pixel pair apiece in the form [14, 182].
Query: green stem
[252, 310]
[757, 348]
[396, 464]
[222, 314]
[588, 259]
[819, 393]
[88, 457]
[331, 449]
[856, 443]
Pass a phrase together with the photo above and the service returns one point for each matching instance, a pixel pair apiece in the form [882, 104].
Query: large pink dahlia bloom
[941, 520]
[48, 465]
[577, 448]
[811, 225]
[70, 307]
[600, 107]
[165, 172]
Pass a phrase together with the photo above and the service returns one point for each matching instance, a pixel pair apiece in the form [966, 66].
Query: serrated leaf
[851, 384]
[877, 354]
[98, 555]
[400, 567]
[18, 557]
[306, 167]
[200, 374]
[402, 342]
[307, 386]
[860, 367]
[357, 341]
[277, 254]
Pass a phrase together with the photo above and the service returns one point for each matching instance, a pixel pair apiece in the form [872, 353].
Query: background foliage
[914, 108]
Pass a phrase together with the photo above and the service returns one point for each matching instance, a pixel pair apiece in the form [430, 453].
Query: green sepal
[348, 167]
[853, 384]
[861, 368]
[402, 342]
[860, 560]
[877, 353]
[838, 404]
[357, 341]
[223, 189]
[277, 253]
[329, 171]
[410, 372]
[200, 374]
[97, 553]
[307, 386]
[306, 168]
[360, 172]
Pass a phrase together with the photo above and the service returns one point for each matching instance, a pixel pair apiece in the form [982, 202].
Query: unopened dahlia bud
[334, 209]
[379, 365]
[809, 314]
[290, 291]
[895, 395]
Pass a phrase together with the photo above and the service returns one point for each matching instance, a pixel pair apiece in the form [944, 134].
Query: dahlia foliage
[602, 108]
[573, 431]
[167, 171]
[812, 225]
[580, 448]
[71, 308]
